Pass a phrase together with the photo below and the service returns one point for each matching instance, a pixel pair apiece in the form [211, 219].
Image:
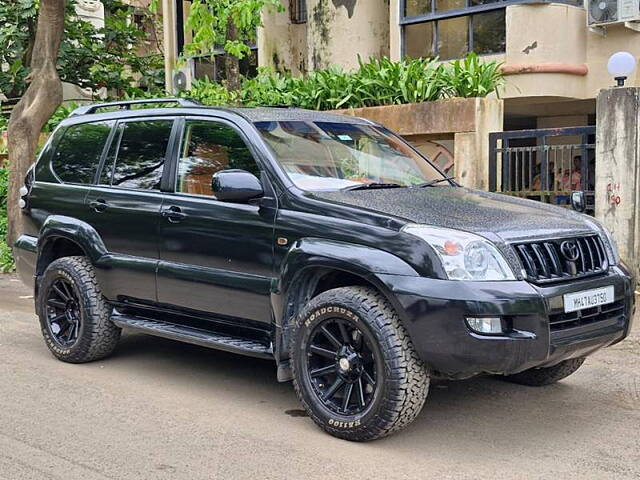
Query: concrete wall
[336, 32]
[618, 170]
[282, 44]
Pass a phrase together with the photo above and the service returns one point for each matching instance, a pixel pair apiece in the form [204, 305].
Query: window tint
[78, 152]
[141, 154]
[207, 148]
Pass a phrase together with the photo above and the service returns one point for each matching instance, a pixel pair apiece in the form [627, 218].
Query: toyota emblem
[570, 250]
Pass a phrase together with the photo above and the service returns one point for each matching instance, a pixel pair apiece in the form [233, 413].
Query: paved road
[163, 410]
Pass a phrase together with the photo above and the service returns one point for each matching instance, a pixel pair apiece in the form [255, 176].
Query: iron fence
[544, 165]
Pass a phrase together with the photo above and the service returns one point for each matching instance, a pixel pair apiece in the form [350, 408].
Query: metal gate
[544, 165]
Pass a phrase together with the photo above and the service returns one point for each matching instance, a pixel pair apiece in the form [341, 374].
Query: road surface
[164, 410]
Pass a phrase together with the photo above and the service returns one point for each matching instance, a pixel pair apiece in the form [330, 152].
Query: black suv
[322, 241]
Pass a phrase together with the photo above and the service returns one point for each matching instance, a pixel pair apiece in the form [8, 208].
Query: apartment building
[555, 65]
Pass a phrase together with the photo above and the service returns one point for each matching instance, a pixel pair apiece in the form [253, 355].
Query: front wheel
[355, 369]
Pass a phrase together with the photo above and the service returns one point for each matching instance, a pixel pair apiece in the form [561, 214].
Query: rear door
[125, 206]
[216, 257]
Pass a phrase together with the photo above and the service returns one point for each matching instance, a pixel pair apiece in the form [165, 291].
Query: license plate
[588, 299]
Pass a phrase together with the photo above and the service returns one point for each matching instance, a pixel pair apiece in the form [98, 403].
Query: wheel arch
[313, 266]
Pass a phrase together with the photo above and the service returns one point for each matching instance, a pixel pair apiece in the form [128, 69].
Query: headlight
[464, 256]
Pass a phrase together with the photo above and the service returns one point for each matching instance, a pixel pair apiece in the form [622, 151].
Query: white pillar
[618, 169]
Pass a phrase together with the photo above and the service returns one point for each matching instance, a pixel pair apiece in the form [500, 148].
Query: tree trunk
[231, 62]
[36, 106]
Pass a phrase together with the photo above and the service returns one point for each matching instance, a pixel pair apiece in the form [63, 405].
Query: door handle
[174, 214]
[99, 205]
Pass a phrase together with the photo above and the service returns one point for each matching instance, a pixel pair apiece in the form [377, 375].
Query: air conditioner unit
[609, 12]
[182, 77]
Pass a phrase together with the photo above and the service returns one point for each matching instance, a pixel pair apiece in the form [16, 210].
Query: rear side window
[137, 155]
[78, 152]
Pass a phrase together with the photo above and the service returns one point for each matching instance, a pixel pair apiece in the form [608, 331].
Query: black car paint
[246, 268]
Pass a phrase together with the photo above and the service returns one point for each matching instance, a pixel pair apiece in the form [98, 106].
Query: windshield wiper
[365, 186]
[433, 182]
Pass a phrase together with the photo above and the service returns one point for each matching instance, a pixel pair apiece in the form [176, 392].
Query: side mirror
[236, 186]
[578, 201]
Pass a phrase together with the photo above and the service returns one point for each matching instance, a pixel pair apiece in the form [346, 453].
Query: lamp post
[620, 66]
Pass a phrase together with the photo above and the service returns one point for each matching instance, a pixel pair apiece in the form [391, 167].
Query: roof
[257, 114]
[276, 114]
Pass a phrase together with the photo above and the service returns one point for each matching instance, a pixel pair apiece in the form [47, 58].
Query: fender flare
[74, 230]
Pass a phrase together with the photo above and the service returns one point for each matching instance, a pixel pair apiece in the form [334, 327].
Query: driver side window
[208, 147]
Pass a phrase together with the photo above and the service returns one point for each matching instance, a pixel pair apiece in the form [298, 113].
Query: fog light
[486, 325]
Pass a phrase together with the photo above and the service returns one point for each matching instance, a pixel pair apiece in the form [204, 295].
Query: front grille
[564, 259]
[563, 321]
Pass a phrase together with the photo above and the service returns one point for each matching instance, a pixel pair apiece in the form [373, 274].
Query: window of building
[141, 150]
[78, 152]
[298, 11]
[207, 148]
[452, 28]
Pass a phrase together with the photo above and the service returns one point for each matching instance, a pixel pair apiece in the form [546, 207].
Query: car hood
[487, 214]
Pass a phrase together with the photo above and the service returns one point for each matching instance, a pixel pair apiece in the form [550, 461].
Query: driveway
[163, 410]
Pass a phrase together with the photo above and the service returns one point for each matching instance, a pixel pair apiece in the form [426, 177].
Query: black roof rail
[126, 105]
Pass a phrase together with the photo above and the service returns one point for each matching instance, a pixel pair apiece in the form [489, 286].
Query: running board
[195, 336]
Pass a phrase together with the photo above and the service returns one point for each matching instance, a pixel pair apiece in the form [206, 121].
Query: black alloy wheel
[63, 312]
[341, 366]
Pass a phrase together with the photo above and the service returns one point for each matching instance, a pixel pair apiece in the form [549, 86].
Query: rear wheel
[355, 369]
[538, 377]
[74, 316]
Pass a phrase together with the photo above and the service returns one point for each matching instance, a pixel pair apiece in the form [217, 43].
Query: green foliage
[469, 77]
[92, 58]
[62, 112]
[376, 82]
[210, 93]
[209, 21]
[6, 257]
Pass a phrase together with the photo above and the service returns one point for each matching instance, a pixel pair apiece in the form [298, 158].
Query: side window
[78, 152]
[208, 147]
[140, 158]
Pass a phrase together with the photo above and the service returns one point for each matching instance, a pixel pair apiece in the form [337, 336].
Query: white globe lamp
[620, 66]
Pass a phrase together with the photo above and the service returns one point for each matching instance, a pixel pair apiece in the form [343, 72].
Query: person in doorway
[569, 181]
[537, 180]
[572, 179]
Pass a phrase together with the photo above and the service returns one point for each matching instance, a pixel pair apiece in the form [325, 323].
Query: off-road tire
[404, 379]
[538, 377]
[97, 335]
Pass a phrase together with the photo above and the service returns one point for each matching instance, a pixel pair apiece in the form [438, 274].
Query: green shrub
[469, 77]
[6, 257]
[375, 82]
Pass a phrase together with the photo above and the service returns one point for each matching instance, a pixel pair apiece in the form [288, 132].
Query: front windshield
[333, 155]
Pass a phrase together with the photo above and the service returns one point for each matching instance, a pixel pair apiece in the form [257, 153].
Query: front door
[215, 257]
[125, 208]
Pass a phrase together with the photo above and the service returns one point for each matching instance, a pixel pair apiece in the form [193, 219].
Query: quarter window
[209, 147]
[78, 153]
[141, 150]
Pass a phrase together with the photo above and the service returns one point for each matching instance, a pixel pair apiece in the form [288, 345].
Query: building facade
[555, 64]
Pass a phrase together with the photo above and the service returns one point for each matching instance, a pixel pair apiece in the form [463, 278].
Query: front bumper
[434, 311]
